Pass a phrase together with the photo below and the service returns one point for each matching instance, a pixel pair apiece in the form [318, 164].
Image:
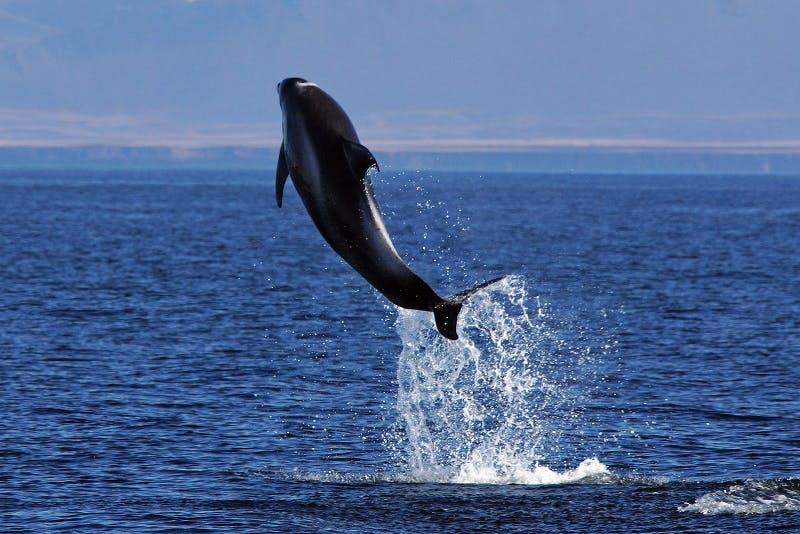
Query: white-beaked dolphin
[328, 165]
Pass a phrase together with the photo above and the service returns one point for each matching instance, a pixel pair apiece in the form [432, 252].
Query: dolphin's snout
[289, 82]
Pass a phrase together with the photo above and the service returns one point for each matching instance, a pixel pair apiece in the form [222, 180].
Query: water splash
[750, 497]
[486, 408]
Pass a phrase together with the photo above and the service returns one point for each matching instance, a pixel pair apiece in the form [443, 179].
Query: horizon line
[185, 147]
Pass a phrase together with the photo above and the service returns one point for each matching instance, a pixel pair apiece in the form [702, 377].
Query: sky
[443, 75]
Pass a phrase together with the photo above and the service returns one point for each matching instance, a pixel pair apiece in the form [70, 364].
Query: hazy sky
[410, 73]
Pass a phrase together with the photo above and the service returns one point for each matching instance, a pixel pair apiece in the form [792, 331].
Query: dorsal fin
[281, 173]
[359, 157]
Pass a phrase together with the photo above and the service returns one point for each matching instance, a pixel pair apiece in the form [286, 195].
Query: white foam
[751, 497]
[589, 470]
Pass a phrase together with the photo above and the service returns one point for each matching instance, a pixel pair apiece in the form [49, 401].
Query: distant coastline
[558, 160]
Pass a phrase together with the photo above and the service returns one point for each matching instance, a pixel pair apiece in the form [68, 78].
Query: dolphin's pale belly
[361, 240]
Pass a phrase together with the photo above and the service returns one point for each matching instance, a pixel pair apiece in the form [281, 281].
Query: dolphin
[329, 169]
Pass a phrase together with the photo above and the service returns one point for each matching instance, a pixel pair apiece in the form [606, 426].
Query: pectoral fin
[359, 157]
[281, 173]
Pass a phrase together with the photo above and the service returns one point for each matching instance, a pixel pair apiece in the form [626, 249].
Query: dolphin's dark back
[328, 166]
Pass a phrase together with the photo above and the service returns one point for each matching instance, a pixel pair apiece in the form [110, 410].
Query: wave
[750, 497]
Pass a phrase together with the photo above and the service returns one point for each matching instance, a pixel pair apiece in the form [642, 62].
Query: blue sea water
[177, 353]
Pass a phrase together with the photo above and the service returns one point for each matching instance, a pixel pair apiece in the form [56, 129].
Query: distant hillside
[114, 157]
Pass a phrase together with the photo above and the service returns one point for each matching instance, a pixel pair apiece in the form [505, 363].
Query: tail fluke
[446, 313]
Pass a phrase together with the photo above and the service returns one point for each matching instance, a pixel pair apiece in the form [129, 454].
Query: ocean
[177, 353]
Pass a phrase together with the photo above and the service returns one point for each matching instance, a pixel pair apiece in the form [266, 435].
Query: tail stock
[446, 313]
